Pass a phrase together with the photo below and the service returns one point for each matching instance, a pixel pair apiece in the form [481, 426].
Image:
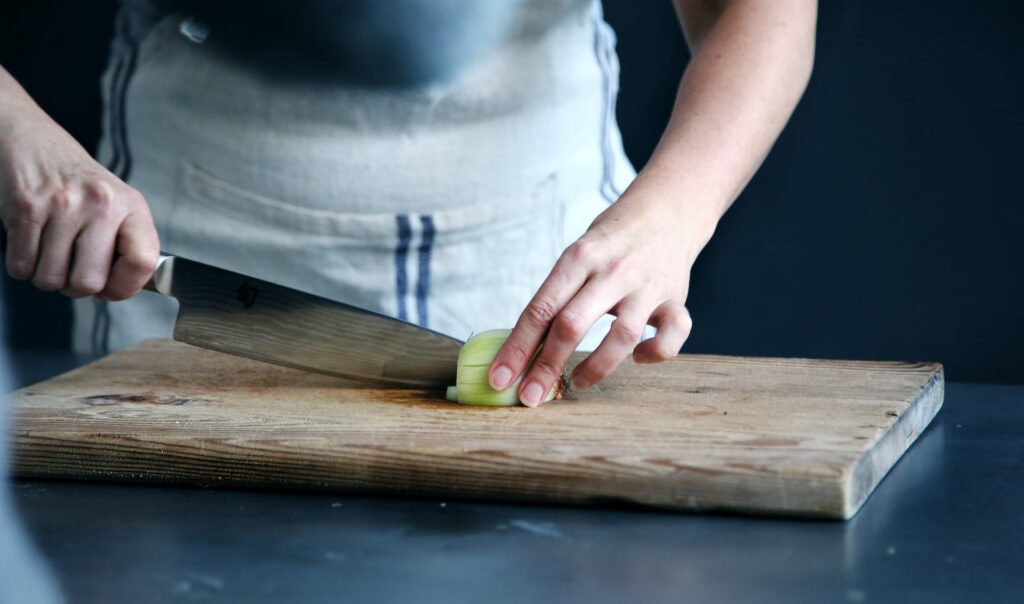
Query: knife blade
[248, 317]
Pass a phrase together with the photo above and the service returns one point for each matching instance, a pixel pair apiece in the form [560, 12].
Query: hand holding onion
[634, 262]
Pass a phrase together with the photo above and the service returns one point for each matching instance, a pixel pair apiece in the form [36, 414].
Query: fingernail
[501, 377]
[639, 358]
[531, 395]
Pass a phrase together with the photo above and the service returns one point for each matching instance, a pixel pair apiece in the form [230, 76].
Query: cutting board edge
[22, 468]
[886, 452]
[828, 513]
[124, 458]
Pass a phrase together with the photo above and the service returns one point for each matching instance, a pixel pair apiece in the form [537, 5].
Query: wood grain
[752, 435]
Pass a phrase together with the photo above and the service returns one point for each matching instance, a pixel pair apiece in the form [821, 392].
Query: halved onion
[475, 357]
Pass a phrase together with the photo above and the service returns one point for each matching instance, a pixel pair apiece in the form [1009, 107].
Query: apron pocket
[457, 270]
[338, 255]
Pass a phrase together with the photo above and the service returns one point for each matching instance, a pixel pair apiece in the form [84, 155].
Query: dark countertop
[946, 525]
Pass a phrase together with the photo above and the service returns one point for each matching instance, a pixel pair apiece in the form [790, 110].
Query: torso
[442, 199]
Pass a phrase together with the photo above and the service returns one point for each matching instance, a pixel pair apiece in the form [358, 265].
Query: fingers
[588, 281]
[55, 250]
[90, 266]
[23, 248]
[139, 249]
[567, 277]
[674, 324]
[670, 318]
[623, 336]
[570, 326]
[567, 330]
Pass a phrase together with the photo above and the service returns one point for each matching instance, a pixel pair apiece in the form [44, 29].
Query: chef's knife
[251, 318]
[248, 317]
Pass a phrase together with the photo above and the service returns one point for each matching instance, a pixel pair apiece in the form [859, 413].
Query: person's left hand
[633, 262]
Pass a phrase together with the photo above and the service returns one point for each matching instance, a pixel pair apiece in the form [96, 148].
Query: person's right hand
[72, 226]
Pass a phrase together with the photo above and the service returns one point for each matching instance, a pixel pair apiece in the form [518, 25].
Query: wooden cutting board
[753, 435]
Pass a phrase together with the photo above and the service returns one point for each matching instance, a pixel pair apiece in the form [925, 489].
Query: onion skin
[471, 386]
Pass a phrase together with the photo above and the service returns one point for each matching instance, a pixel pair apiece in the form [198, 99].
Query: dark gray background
[884, 225]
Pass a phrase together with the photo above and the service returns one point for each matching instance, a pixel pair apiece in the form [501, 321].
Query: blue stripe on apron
[401, 254]
[423, 284]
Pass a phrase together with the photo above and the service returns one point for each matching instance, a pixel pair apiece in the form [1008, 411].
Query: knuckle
[584, 377]
[19, 269]
[86, 285]
[71, 292]
[115, 292]
[50, 282]
[101, 201]
[63, 200]
[103, 191]
[675, 314]
[133, 198]
[140, 264]
[599, 365]
[117, 289]
[546, 366]
[617, 266]
[627, 333]
[686, 328]
[597, 371]
[598, 374]
[114, 295]
[26, 205]
[581, 251]
[540, 313]
[681, 317]
[661, 351]
[517, 352]
[569, 326]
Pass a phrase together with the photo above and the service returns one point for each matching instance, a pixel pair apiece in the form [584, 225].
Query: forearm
[15, 103]
[751, 61]
[25, 128]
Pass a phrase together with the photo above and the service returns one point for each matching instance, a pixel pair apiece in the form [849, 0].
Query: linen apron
[445, 205]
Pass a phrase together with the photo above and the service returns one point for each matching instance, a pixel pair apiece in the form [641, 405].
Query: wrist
[16, 107]
[678, 202]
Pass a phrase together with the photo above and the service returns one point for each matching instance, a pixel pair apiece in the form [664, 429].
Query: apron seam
[603, 52]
